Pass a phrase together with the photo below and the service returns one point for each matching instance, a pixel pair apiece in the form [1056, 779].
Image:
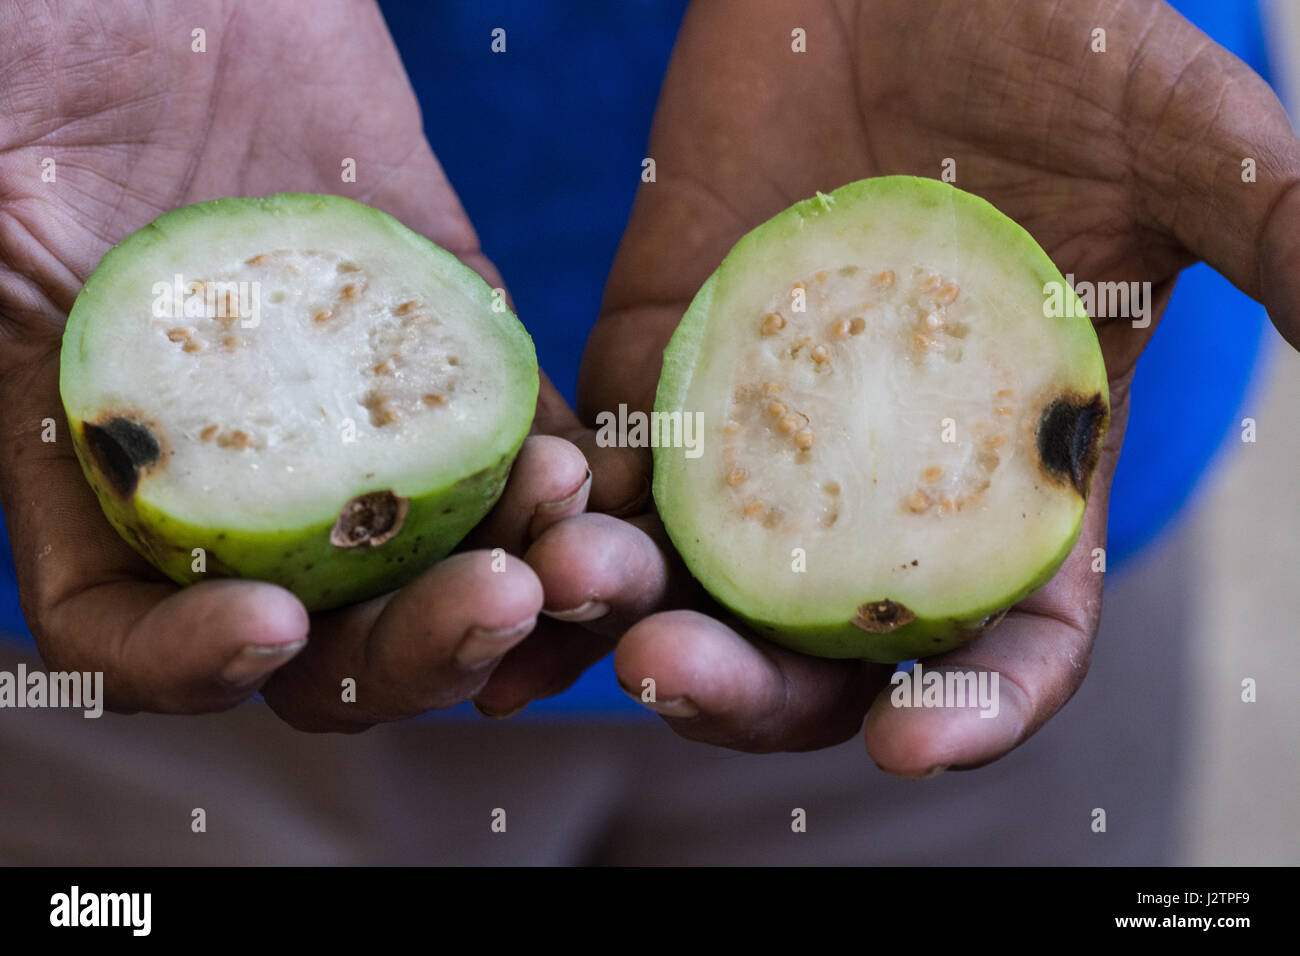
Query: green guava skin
[303, 559]
[814, 632]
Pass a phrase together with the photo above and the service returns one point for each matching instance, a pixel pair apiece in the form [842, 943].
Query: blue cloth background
[544, 145]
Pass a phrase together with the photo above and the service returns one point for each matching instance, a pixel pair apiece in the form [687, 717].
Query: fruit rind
[303, 560]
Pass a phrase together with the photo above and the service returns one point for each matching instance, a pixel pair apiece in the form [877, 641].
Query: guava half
[301, 387]
[884, 472]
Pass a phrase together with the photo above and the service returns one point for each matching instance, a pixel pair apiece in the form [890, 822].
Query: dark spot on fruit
[882, 617]
[1069, 439]
[221, 536]
[369, 519]
[914, 563]
[122, 449]
[445, 511]
[308, 567]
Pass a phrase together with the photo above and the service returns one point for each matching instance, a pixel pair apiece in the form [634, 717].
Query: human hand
[1124, 165]
[138, 124]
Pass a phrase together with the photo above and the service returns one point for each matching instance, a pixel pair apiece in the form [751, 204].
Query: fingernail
[922, 775]
[674, 707]
[255, 661]
[497, 714]
[586, 611]
[547, 510]
[681, 706]
[482, 644]
[635, 505]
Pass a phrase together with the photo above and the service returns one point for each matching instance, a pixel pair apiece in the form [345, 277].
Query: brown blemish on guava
[1069, 437]
[369, 519]
[123, 449]
[883, 617]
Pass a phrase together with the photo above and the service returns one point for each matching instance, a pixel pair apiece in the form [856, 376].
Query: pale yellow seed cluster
[380, 408]
[236, 438]
[383, 407]
[936, 330]
[976, 479]
[784, 421]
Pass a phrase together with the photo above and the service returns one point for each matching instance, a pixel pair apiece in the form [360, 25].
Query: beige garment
[121, 790]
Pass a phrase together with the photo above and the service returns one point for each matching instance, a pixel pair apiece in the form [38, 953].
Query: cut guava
[897, 440]
[296, 389]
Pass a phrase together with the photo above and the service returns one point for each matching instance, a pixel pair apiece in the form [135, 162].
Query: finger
[549, 481]
[1222, 174]
[95, 605]
[1040, 654]
[603, 572]
[555, 655]
[599, 575]
[201, 649]
[1034, 664]
[621, 476]
[713, 685]
[430, 645]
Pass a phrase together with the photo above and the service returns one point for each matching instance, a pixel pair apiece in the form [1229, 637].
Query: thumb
[1220, 170]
